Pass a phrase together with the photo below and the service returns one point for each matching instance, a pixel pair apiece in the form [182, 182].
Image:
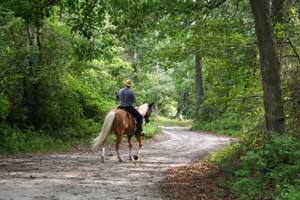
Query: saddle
[132, 120]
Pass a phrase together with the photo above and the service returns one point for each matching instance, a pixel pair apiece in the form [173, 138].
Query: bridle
[147, 115]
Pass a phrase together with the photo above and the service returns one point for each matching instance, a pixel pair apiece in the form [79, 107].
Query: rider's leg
[139, 119]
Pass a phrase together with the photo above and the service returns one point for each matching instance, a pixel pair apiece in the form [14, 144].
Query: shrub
[4, 107]
[151, 129]
[289, 192]
[267, 168]
[229, 124]
[14, 141]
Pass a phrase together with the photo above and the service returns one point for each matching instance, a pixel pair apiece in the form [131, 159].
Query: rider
[126, 99]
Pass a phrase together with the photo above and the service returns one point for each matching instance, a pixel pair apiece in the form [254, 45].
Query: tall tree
[199, 80]
[270, 66]
[280, 19]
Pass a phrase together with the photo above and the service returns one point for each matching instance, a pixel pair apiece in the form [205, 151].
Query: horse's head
[148, 112]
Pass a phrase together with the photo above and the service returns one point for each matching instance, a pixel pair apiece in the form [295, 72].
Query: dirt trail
[81, 175]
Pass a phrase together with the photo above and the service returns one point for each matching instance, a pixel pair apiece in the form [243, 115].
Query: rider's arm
[133, 97]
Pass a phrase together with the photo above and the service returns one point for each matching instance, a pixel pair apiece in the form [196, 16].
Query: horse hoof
[130, 158]
[120, 160]
[135, 157]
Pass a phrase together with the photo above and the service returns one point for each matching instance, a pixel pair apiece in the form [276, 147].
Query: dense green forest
[232, 67]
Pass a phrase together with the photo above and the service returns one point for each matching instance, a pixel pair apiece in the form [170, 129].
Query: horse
[121, 123]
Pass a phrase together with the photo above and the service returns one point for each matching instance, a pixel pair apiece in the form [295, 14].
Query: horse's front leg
[139, 139]
[129, 146]
[119, 140]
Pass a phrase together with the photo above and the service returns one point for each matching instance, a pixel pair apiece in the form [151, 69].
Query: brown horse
[120, 122]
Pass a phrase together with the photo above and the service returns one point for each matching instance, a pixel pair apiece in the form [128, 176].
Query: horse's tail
[106, 130]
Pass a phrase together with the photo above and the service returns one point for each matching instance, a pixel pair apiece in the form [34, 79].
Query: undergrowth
[163, 121]
[229, 124]
[151, 129]
[264, 165]
[17, 141]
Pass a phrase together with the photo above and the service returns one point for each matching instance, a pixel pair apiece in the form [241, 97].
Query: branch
[294, 49]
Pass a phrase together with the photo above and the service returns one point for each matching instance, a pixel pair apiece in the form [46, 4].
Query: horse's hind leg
[103, 153]
[139, 139]
[129, 146]
[119, 139]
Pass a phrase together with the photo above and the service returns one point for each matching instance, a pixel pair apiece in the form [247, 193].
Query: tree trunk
[199, 80]
[279, 11]
[132, 57]
[280, 16]
[270, 66]
[32, 93]
[183, 104]
[29, 85]
[134, 63]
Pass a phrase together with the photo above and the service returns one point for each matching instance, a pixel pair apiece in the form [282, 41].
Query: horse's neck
[143, 109]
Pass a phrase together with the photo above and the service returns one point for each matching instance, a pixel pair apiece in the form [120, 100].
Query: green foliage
[151, 129]
[14, 141]
[262, 167]
[227, 156]
[4, 107]
[163, 121]
[56, 86]
[229, 124]
[155, 87]
[290, 192]
[275, 165]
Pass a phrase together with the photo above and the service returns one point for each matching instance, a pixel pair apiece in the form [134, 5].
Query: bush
[151, 129]
[289, 192]
[267, 168]
[4, 107]
[229, 124]
[14, 141]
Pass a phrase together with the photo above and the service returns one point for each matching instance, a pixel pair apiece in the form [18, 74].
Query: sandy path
[82, 176]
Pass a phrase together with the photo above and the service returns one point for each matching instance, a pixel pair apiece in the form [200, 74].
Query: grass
[16, 141]
[230, 124]
[163, 121]
[31, 142]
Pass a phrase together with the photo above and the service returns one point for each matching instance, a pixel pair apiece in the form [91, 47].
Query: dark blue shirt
[126, 97]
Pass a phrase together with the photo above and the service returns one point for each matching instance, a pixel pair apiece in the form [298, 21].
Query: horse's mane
[143, 109]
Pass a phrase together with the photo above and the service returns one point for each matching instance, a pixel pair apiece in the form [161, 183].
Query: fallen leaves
[194, 182]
